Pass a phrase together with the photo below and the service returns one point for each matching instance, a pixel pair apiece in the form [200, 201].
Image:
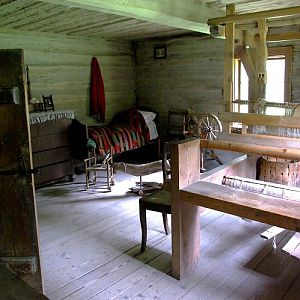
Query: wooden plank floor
[90, 249]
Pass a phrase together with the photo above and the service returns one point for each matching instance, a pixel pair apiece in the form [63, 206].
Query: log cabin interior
[227, 74]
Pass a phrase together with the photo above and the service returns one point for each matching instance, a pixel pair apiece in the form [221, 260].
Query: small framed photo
[160, 52]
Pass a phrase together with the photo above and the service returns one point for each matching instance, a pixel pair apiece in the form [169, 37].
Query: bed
[131, 129]
[128, 130]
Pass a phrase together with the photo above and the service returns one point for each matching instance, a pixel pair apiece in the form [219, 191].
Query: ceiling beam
[288, 21]
[189, 14]
[243, 18]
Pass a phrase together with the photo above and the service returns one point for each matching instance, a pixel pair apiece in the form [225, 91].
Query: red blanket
[127, 131]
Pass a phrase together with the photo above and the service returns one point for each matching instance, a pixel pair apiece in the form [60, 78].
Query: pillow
[148, 116]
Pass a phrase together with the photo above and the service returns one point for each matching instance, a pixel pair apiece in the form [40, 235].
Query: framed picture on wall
[160, 52]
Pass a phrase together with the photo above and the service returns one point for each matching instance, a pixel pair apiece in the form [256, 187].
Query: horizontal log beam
[271, 23]
[285, 153]
[260, 140]
[243, 18]
[189, 15]
[281, 37]
[259, 119]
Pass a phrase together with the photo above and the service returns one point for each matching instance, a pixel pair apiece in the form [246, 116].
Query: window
[241, 87]
[278, 87]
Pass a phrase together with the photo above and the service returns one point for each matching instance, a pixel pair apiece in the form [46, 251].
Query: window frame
[285, 52]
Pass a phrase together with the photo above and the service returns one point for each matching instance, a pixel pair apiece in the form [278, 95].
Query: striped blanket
[120, 137]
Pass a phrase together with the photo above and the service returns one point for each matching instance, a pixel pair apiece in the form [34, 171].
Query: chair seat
[97, 167]
[159, 201]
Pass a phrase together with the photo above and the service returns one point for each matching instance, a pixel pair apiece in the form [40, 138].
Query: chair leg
[112, 181]
[166, 224]
[87, 178]
[143, 222]
[95, 177]
[108, 177]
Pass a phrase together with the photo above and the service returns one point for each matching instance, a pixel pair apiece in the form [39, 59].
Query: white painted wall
[60, 66]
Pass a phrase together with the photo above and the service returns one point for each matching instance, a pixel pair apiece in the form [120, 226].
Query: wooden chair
[92, 165]
[48, 103]
[176, 124]
[159, 201]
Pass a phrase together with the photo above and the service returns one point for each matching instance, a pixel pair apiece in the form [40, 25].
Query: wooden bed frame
[190, 190]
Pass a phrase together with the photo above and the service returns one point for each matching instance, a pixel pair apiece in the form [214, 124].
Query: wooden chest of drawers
[50, 150]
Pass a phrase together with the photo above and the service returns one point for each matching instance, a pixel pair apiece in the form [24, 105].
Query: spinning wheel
[209, 127]
[206, 126]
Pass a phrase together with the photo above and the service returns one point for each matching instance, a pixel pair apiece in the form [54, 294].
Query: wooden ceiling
[71, 18]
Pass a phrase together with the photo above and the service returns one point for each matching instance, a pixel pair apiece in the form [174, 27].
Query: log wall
[60, 65]
[296, 73]
[190, 77]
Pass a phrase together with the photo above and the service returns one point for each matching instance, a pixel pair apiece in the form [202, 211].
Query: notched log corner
[20, 265]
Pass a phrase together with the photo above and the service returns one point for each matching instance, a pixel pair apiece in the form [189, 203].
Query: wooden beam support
[258, 119]
[229, 60]
[189, 14]
[260, 62]
[271, 23]
[260, 140]
[243, 18]
[243, 54]
[285, 153]
[185, 157]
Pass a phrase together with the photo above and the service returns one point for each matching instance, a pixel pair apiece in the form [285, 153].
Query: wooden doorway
[19, 247]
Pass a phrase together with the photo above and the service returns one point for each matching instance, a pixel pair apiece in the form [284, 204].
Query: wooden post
[229, 60]
[261, 60]
[185, 158]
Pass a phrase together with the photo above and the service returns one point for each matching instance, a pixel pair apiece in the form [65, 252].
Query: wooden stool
[159, 201]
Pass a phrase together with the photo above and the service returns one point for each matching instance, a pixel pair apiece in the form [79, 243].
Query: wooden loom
[190, 190]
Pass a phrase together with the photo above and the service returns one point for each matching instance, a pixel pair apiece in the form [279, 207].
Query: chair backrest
[94, 159]
[176, 124]
[166, 166]
[48, 103]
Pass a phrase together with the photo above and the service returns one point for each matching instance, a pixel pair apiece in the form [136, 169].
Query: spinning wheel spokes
[209, 127]
[206, 126]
